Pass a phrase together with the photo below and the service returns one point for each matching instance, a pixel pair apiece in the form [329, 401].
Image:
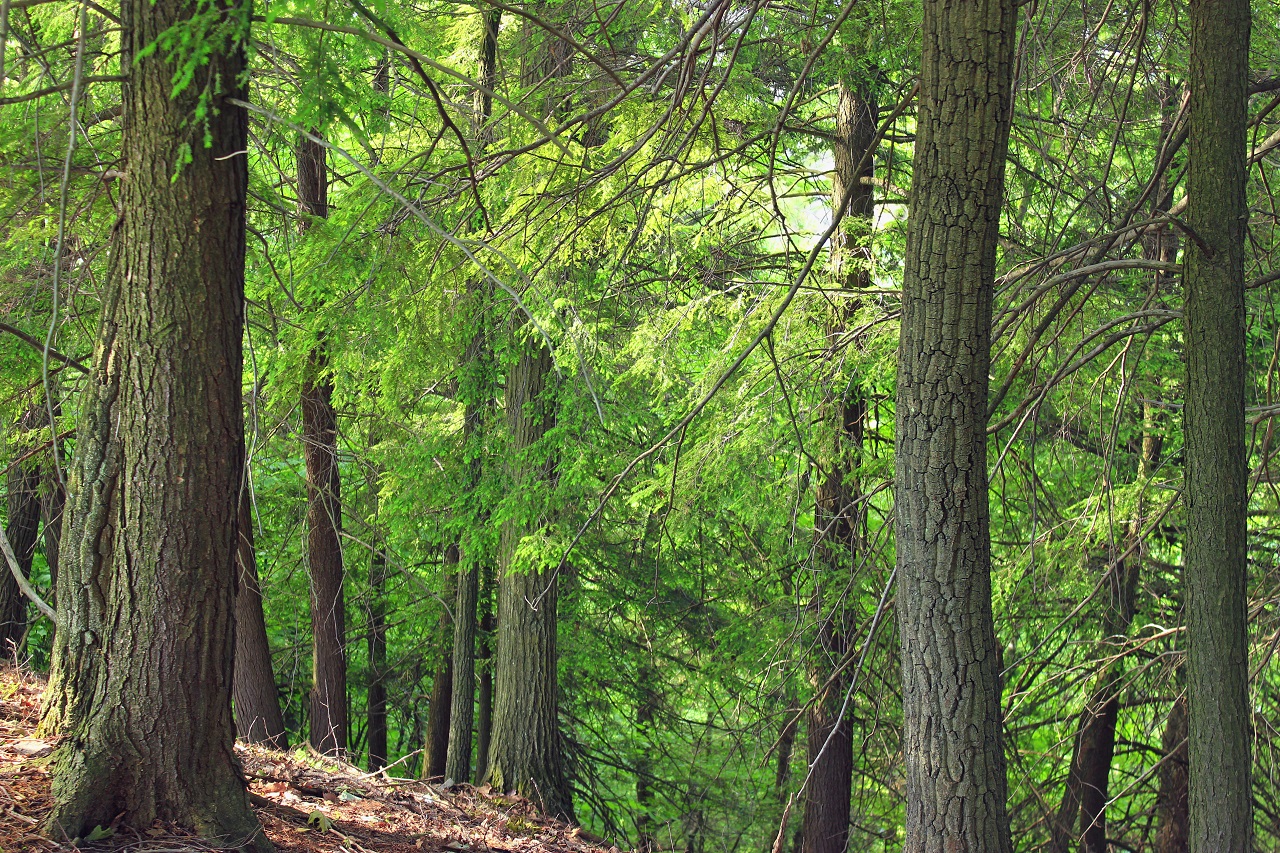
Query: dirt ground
[307, 803]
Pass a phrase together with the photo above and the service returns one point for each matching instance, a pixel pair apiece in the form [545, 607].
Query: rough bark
[377, 711]
[838, 517]
[526, 751]
[1216, 465]
[953, 741]
[140, 688]
[257, 703]
[324, 504]
[437, 743]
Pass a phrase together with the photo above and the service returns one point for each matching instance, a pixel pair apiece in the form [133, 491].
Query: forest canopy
[729, 425]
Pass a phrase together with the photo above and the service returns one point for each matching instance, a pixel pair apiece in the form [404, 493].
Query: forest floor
[307, 804]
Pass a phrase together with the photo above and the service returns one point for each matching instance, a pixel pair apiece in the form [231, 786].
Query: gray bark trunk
[1216, 487]
[953, 740]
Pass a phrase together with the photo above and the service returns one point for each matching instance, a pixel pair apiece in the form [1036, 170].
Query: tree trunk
[953, 740]
[838, 517]
[484, 658]
[257, 704]
[1216, 489]
[462, 713]
[437, 745]
[140, 688]
[478, 395]
[324, 504]
[526, 752]
[378, 661]
[53, 492]
[52, 501]
[1173, 827]
[23, 530]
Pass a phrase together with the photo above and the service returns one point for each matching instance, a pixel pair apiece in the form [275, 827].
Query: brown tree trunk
[526, 752]
[484, 663]
[953, 739]
[140, 688]
[838, 517]
[257, 703]
[1216, 488]
[378, 660]
[462, 713]
[437, 745]
[1173, 824]
[324, 504]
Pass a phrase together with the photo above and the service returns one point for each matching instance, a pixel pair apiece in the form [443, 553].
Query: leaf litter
[307, 803]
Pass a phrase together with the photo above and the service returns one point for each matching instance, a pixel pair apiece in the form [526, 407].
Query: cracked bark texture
[953, 741]
[1215, 491]
[140, 688]
[525, 755]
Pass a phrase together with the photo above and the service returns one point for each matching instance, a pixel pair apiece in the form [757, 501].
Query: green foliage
[649, 241]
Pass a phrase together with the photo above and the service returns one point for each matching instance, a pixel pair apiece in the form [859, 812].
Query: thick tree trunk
[839, 517]
[378, 661]
[526, 750]
[140, 688]
[1173, 825]
[1216, 465]
[257, 703]
[437, 745]
[953, 740]
[324, 504]
[23, 530]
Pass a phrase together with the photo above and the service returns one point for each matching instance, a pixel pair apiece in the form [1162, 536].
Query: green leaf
[320, 819]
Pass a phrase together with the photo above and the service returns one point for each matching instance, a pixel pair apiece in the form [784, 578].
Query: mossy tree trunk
[1216, 489]
[953, 739]
[140, 688]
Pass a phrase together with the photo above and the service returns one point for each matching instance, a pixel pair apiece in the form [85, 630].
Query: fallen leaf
[32, 748]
